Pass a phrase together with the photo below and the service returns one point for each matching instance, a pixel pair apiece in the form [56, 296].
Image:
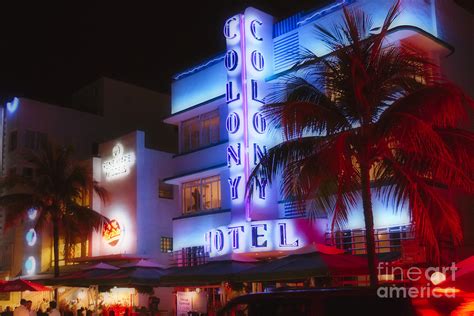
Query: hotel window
[165, 190]
[166, 244]
[200, 131]
[202, 194]
[68, 251]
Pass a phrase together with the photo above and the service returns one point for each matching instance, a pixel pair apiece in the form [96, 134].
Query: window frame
[200, 184]
[165, 190]
[199, 122]
[166, 244]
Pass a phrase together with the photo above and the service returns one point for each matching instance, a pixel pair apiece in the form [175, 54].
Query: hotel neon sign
[249, 44]
[256, 236]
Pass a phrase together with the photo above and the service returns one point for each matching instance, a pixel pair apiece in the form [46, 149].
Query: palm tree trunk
[56, 251]
[369, 223]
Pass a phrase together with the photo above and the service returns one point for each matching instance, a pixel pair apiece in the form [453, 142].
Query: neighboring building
[222, 135]
[26, 124]
[140, 205]
[128, 107]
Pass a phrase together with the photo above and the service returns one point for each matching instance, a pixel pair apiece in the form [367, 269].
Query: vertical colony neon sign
[248, 62]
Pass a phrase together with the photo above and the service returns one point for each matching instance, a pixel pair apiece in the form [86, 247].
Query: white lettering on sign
[249, 52]
[120, 163]
[257, 236]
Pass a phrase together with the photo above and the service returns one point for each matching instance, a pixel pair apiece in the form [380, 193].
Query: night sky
[48, 52]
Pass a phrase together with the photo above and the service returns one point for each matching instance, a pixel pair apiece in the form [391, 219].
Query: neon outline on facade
[248, 37]
[256, 236]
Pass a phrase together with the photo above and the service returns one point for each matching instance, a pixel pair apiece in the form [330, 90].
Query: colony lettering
[257, 236]
[249, 42]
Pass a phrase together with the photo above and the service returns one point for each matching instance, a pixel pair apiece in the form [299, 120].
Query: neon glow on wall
[31, 237]
[32, 213]
[13, 105]
[30, 265]
[247, 60]
[31, 241]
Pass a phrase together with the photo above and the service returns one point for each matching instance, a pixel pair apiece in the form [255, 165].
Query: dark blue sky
[47, 51]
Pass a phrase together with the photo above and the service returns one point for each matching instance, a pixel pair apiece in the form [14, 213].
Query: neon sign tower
[248, 61]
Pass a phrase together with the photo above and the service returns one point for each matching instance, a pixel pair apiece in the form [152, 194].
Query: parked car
[324, 302]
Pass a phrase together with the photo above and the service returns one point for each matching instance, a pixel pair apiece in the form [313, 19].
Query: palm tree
[371, 118]
[56, 192]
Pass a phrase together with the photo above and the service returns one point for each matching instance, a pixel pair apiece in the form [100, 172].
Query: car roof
[302, 293]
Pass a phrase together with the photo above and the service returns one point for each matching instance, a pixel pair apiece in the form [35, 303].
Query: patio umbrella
[86, 276]
[141, 273]
[20, 285]
[302, 266]
[213, 272]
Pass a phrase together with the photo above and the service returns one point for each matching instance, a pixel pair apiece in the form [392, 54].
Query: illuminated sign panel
[32, 213]
[112, 232]
[31, 236]
[256, 236]
[120, 163]
[30, 265]
[247, 60]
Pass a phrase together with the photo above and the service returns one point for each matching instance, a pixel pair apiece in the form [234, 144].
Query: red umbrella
[20, 285]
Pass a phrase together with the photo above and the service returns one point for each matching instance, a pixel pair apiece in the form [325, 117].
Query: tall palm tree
[371, 118]
[56, 191]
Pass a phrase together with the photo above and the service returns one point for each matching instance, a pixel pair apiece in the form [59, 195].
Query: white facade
[232, 84]
[26, 124]
[131, 174]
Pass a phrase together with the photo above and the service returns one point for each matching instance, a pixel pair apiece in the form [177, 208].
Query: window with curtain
[201, 194]
[200, 131]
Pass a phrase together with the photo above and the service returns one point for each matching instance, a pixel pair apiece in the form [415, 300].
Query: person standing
[21, 310]
[53, 311]
[31, 310]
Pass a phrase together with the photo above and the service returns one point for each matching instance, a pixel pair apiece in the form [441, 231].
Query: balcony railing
[390, 239]
[188, 257]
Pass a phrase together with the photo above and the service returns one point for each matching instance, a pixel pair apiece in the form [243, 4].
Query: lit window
[69, 251]
[166, 244]
[165, 190]
[200, 131]
[202, 194]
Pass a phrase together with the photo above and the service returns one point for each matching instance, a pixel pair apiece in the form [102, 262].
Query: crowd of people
[25, 309]
[52, 309]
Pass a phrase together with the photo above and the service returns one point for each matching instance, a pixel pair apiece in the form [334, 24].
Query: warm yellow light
[437, 278]
[446, 290]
